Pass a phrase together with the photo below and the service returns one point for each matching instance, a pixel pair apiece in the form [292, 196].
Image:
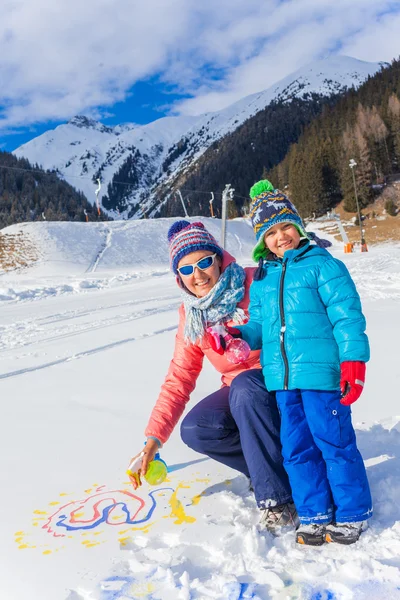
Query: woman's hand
[149, 451]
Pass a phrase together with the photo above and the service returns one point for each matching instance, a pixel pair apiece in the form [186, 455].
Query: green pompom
[261, 186]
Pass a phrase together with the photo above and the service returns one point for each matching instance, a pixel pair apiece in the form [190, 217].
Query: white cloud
[58, 59]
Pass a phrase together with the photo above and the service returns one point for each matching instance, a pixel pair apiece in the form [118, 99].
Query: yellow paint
[46, 552]
[90, 545]
[124, 541]
[64, 494]
[88, 491]
[81, 514]
[35, 524]
[206, 480]
[196, 499]
[145, 528]
[19, 539]
[141, 590]
[19, 533]
[24, 546]
[53, 503]
[99, 532]
[177, 508]
[40, 512]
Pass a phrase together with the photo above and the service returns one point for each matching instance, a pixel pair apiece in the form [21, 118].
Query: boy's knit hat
[268, 208]
[185, 237]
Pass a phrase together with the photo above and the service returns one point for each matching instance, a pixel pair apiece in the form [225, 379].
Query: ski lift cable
[125, 183]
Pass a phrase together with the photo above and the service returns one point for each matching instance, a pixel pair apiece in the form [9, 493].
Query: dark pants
[239, 427]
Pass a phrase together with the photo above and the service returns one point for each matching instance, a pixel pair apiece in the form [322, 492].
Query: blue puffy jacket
[306, 316]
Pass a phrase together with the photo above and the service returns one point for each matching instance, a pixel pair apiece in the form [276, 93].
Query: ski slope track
[86, 336]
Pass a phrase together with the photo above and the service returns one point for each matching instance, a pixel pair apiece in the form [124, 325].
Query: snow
[86, 337]
[83, 150]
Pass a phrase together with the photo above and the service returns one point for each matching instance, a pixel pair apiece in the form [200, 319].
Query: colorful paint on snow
[131, 587]
[91, 518]
[240, 591]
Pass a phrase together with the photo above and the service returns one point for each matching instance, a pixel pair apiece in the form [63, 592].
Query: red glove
[352, 378]
[217, 341]
[235, 333]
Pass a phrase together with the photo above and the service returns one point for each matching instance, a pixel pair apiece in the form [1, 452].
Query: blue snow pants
[239, 427]
[325, 468]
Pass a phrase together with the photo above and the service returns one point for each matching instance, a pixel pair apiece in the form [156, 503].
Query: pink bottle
[236, 349]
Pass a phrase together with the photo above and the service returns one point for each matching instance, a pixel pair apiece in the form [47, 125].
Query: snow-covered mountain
[148, 156]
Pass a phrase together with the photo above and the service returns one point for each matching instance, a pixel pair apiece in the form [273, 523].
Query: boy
[306, 314]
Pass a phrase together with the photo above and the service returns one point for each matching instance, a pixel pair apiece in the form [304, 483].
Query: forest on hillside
[240, 157]
[27, 193]
[364, 126]
[303, 146]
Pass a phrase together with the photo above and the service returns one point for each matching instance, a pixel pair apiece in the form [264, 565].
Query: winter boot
[345, 533]
[276, 517]
[311, 534]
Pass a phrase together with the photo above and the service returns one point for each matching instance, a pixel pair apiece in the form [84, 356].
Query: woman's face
[200, 282]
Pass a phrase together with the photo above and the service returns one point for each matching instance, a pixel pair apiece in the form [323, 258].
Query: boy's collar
[290, 254]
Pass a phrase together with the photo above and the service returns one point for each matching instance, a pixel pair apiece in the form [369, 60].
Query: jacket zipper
[283, 328]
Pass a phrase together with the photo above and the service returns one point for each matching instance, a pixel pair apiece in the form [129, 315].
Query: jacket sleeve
[252, 331]
[340, 297]
[179, 383]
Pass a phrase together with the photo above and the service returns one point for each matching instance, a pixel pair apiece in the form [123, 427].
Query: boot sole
[309, 541]
[340, 540]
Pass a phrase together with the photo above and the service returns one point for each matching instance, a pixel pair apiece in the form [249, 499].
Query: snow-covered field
[86, 337]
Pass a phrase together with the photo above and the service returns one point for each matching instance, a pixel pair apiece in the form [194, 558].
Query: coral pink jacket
[185, 368]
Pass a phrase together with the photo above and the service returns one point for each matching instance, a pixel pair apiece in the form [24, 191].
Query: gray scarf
[220, 304]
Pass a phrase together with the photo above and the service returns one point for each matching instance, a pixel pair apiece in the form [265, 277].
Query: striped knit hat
[185, 237]
[268, 208]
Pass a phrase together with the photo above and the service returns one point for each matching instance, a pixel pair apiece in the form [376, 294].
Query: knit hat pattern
[270, 207]
[185, 237]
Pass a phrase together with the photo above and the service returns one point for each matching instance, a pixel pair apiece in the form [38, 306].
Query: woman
[238, 425]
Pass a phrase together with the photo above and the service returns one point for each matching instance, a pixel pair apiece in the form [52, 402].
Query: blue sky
[133, 61]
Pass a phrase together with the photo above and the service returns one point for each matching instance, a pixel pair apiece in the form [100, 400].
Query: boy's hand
[235, 333]
[352, 380]
[217, 341]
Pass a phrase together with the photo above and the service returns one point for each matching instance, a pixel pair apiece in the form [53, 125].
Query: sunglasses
[202, 264]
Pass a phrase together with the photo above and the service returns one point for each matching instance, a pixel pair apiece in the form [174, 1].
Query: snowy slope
[84, 150]
[86, 337]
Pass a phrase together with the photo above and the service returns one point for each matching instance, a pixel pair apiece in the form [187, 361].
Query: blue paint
[124, 590]
[236, 591]
[324, 595]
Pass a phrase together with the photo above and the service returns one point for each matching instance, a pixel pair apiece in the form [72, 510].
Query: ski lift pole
[227, 194]
[97, 197]
[211, 205]
[183, 204]
[86, 215]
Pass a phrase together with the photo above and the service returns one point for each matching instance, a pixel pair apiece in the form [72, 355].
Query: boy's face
[282, 237]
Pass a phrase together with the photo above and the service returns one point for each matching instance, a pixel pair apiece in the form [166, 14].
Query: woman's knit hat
[268, 208]
[185, 237]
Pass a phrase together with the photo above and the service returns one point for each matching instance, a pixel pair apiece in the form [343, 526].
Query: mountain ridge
[152, 156]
